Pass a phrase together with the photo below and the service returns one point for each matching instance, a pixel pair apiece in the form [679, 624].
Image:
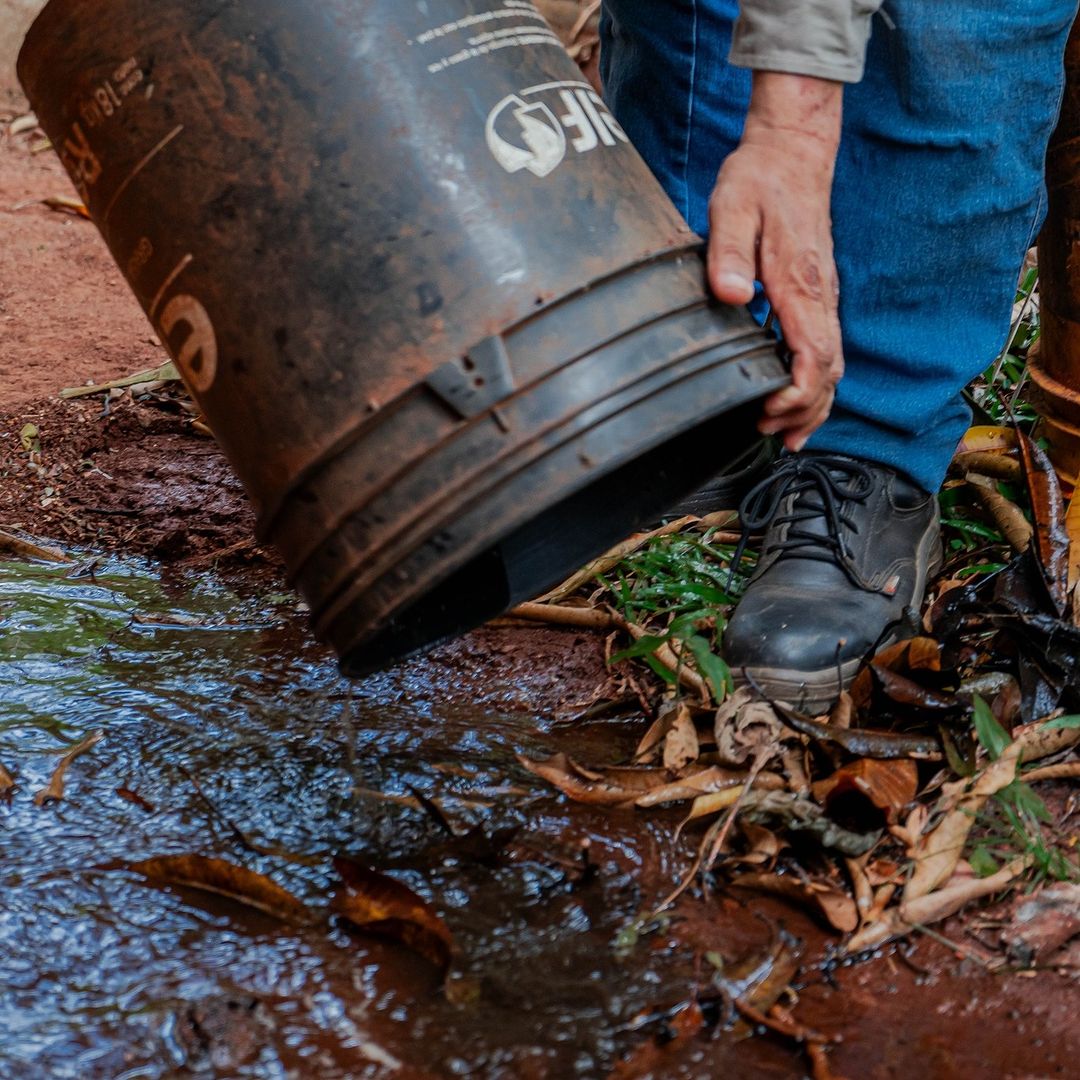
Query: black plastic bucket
[444, 322]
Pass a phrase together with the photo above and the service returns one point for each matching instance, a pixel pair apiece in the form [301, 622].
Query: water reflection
[105, 976]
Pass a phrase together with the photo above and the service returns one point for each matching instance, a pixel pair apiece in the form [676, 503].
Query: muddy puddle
[106, 976]
[202, 687]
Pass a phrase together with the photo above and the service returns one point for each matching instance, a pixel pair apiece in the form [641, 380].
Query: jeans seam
[685, 208]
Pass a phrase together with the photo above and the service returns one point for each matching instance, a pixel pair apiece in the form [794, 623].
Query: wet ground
[196, 683]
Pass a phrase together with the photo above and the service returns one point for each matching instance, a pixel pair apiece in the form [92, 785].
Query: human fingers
[734, 229]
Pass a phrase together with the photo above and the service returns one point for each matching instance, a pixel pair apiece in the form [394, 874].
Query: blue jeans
[937, 195]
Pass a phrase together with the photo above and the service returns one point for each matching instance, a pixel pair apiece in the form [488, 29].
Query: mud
[107, 978]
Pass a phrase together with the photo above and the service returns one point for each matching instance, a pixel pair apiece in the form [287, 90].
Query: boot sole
[814, 692]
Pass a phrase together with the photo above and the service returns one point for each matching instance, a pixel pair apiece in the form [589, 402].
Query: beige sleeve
[824, 38]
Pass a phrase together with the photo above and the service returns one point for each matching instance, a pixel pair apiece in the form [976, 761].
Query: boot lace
[824, 488]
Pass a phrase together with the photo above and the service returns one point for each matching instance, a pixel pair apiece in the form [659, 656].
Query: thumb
[732, 258]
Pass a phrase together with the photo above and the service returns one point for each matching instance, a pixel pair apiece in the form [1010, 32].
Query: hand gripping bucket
[445, 324]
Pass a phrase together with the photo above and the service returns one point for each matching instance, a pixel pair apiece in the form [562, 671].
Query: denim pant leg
[938, 189]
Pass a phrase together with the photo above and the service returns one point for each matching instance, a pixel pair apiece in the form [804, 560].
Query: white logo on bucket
[195, 353]
[525, 131]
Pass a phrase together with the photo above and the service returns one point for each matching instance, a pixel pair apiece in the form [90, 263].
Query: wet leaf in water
[655, 1057]
[134, 797]
[887, 785]
[54, 791]
[374, 903]
[615, 787]
[7, 781]
[222, 878]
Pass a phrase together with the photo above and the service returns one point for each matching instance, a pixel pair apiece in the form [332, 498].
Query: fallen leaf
[745, 725]
[134, 797]
[1007, 516]
[1051, 539]
[653, 1057]
[377, 904]
[596, 786]
[207, 874]
[889, 786]
[709, 780]
[826, 900]
[7, 781]
[903, 657]
[985, 437]
[54, 791]
[681, 742]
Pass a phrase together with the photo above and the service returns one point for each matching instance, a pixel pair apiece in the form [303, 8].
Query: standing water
[219, 715]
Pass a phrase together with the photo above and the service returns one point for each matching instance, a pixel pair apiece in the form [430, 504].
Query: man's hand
[769, 219]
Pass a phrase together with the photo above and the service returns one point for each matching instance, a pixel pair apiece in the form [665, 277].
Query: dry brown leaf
[1072, 527]
[1001, 466]
[681, 741]
[226, 879]
[54, 791]
[377, 904]
[708, 781]
[888, 785]
[601, 787]
[832, 904]
[1008, 517]
[746, 726]
[902, 657]
[934, 906]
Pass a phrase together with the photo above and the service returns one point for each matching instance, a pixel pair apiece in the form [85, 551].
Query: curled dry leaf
[54, 791]
[888, 785]
[745, 725]
[822, 898]
[374, 903]
[237, 883]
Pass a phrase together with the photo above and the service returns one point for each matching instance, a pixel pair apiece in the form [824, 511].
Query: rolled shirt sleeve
[823, 38]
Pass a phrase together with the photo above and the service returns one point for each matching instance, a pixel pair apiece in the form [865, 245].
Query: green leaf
[644, 646]
[711, 666]
[991, 735]
[983, 863]
[1063, 723]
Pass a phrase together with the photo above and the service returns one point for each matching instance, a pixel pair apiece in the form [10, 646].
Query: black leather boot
[848, 546]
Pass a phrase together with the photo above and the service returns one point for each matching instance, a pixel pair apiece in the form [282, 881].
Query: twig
[1066, 770]
[54, 792]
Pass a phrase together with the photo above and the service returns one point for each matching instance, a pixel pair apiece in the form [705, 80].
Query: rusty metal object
[447, 327]
[1055, 365]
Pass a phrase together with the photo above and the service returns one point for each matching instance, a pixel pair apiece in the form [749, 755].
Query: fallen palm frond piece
[164, 373]
[10, 544]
